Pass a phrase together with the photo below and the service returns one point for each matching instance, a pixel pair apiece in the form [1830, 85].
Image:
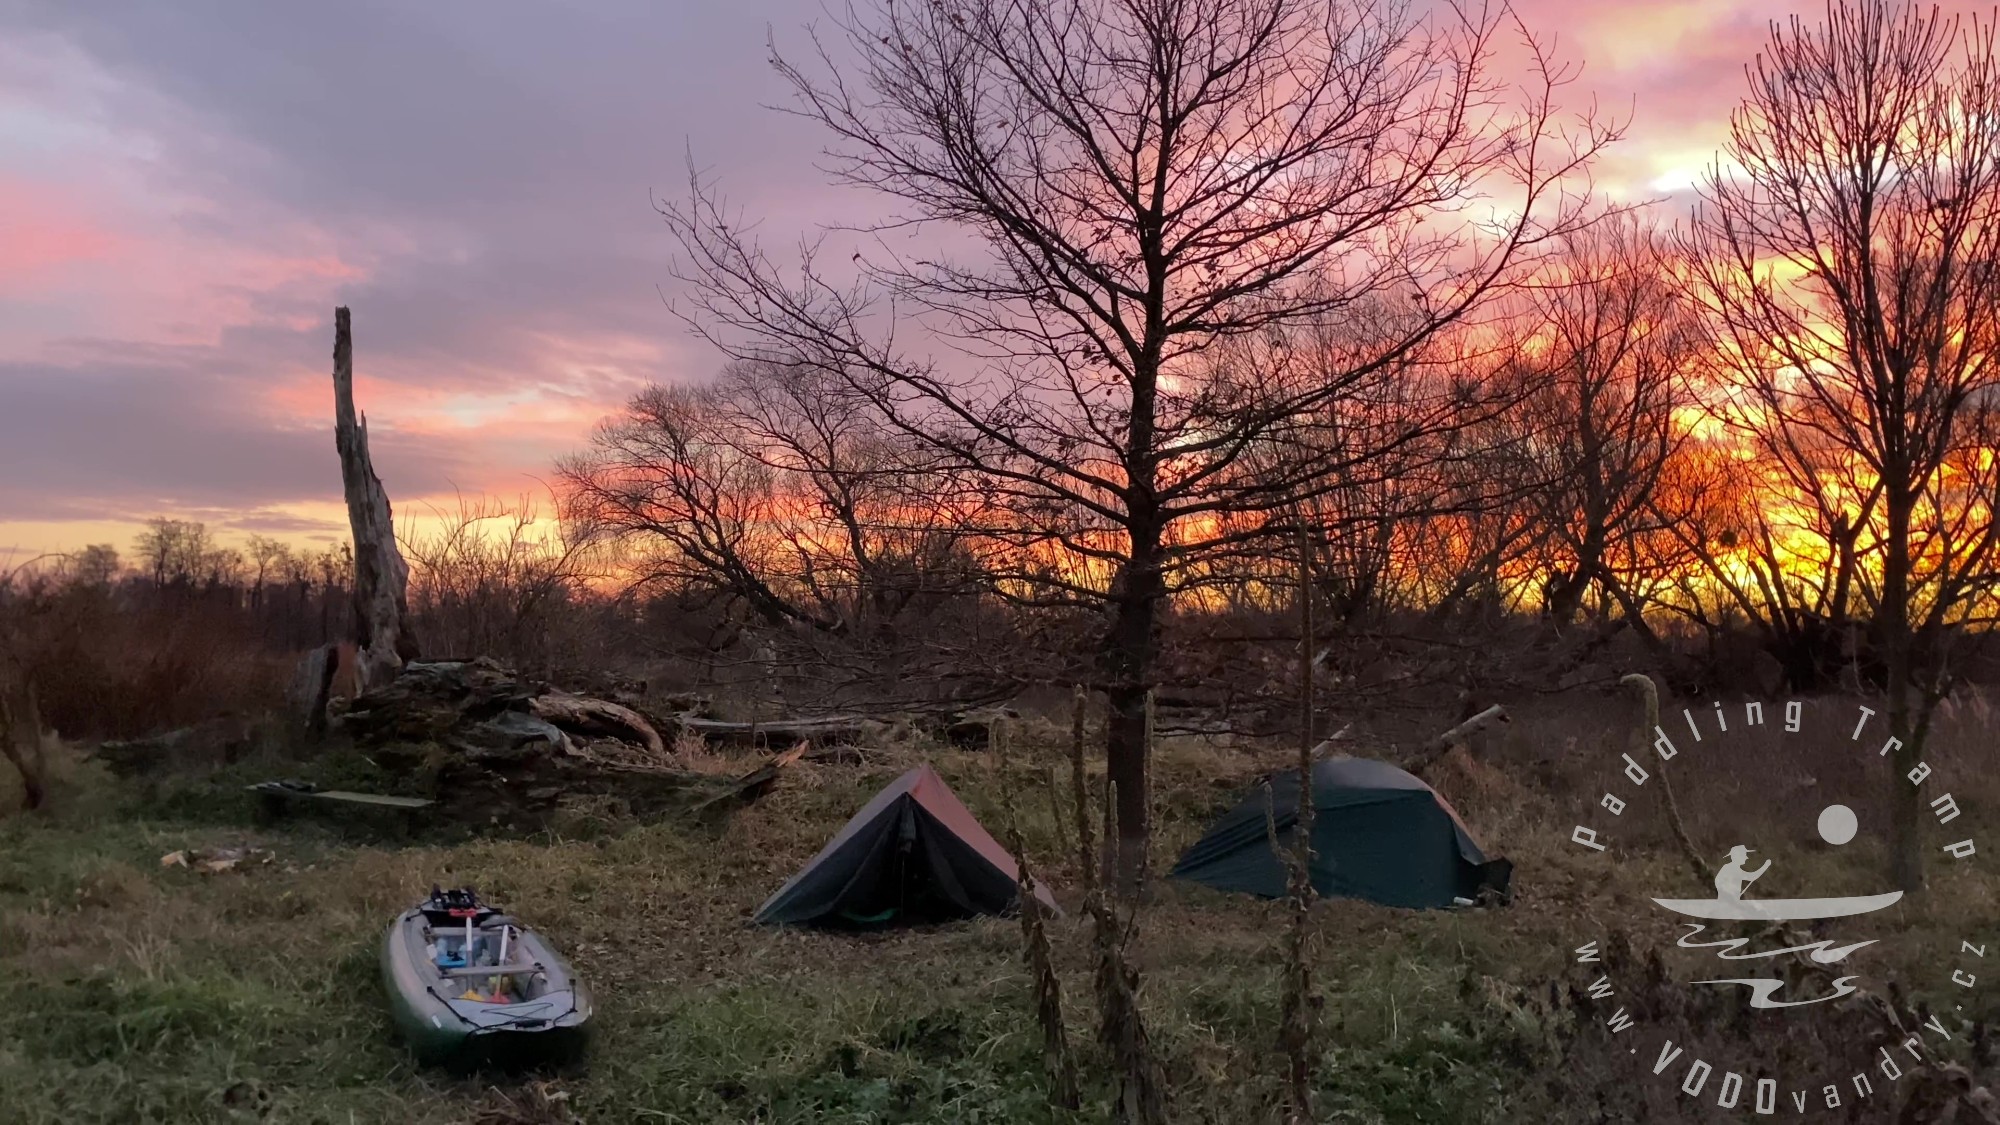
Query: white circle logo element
[1838, 824]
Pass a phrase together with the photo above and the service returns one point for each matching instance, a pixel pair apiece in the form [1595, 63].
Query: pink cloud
[185, 200]
[41, 233]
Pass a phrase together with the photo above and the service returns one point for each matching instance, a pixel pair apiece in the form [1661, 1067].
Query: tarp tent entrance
[1379, 834]
[914, 854]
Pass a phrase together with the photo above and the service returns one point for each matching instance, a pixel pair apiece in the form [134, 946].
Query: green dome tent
[913, 854]
[1378, 834]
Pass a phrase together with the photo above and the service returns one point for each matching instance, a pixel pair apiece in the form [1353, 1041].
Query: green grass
[136, 992]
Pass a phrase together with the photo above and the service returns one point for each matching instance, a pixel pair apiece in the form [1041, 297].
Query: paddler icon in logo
[1837, 825]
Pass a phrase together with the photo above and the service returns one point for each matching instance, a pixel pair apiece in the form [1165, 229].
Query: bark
[312, 687]
[381, 578]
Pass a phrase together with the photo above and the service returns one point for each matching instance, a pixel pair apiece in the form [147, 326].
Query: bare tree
[95, 565]
[179, 552]
[492, 577]
[266, 559]
[666, 470]
[1605, 368]
[1136, 181]
[1850, 264]
[778, 488]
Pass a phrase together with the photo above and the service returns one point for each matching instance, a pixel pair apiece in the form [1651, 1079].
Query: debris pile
[483, 711]
[488, 744]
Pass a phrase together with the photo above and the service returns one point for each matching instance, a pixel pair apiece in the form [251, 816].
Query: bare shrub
[501, 580]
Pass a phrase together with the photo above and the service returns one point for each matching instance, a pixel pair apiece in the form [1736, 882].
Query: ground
[142, 992]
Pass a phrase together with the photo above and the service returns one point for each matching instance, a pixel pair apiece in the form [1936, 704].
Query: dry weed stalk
[1296, 1029]
[1056, 1060]
[1295, 1033]
[1649, 721]
[1121, 1029]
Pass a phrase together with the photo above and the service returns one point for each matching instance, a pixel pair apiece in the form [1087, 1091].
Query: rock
[510, 735]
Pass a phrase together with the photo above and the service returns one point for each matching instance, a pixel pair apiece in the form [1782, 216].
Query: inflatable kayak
[470, 987]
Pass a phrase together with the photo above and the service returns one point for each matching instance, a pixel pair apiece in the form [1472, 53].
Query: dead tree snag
[381, 578]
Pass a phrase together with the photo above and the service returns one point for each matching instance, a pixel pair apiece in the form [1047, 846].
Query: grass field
[137, 992]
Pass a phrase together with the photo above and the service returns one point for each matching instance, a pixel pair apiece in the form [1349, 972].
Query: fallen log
[204, 746]
[828, 728]
[752, 785]
[1327, 745]
[1428, 754]
[598, 716]
[835, 756]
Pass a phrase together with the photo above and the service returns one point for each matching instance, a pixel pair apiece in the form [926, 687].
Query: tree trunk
[381, 579]
[1130, 654]
[1906, 858]
[1566, 598]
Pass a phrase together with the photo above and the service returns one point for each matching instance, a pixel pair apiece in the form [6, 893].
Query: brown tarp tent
[914, 854]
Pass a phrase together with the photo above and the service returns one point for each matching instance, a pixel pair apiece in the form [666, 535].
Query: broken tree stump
[21, 744]
[311, 689]
[381, 577]
[748, 788]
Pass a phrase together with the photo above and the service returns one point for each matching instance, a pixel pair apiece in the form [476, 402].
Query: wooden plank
[373, 799]
[379, 799]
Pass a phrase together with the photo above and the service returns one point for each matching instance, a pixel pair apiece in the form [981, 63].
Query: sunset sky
[188, 189]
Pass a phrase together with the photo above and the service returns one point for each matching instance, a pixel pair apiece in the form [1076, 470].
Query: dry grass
[138, 993]
[107, 669]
